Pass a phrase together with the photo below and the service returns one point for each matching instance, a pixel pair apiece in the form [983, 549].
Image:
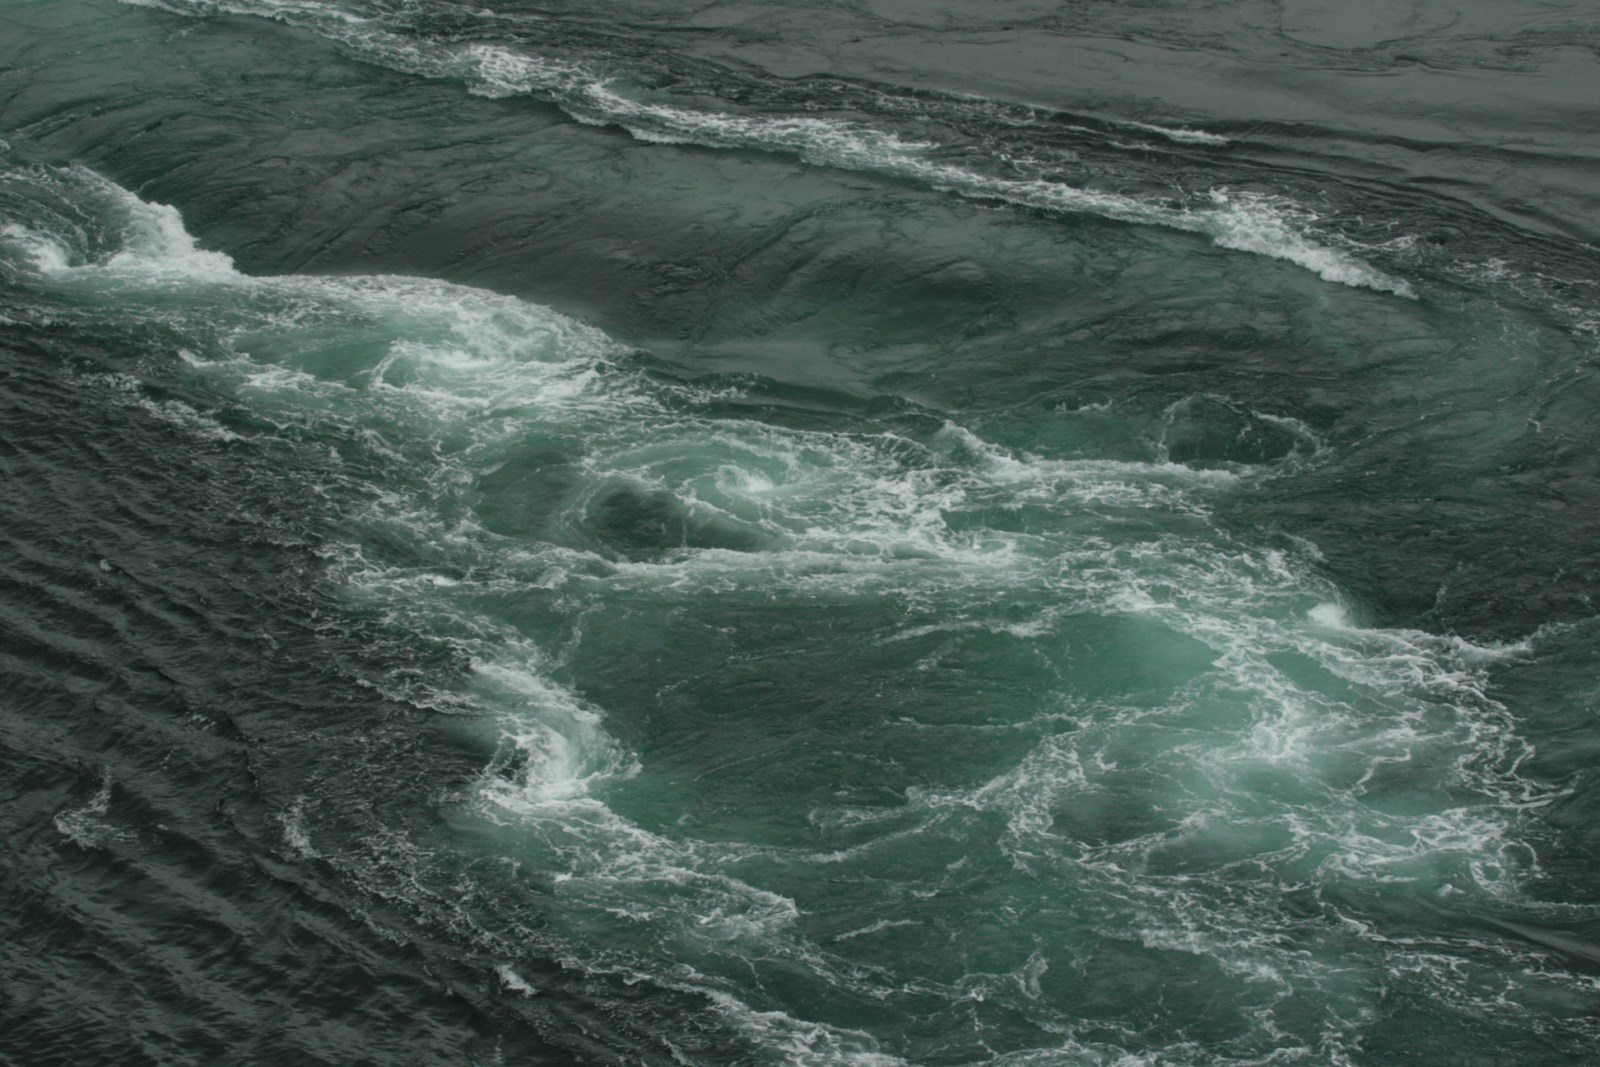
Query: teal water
[846, 533]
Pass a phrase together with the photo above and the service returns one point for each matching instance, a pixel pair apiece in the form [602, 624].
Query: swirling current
[846, 532]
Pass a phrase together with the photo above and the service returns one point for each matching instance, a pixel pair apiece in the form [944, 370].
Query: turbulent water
[844, 532]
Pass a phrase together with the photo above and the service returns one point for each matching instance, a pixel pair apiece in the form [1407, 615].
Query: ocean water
[861, 532]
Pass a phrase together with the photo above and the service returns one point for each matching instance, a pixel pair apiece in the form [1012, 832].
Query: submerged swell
[924, 635]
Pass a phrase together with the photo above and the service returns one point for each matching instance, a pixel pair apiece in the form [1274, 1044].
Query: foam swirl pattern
[1037, 625]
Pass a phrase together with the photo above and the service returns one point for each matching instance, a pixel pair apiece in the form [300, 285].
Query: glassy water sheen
[852, 531]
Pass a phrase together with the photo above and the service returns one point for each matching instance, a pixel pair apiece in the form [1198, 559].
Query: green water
[869, 533]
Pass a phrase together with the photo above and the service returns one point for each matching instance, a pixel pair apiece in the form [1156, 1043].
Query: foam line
[1263, 225]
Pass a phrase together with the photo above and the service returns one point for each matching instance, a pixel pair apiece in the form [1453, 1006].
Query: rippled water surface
[853, 531]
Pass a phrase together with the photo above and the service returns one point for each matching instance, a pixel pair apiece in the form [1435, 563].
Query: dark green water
[844, 532]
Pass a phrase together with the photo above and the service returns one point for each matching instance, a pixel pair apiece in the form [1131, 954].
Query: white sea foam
[1263, 225]
[1177, 133]
[84, 825]
[556, 749]
[130, 390]
[839, 515]
[151, 244]
[873, 928]
[295, 834]
[514, 981]
[801, 1042]
[48, 256]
